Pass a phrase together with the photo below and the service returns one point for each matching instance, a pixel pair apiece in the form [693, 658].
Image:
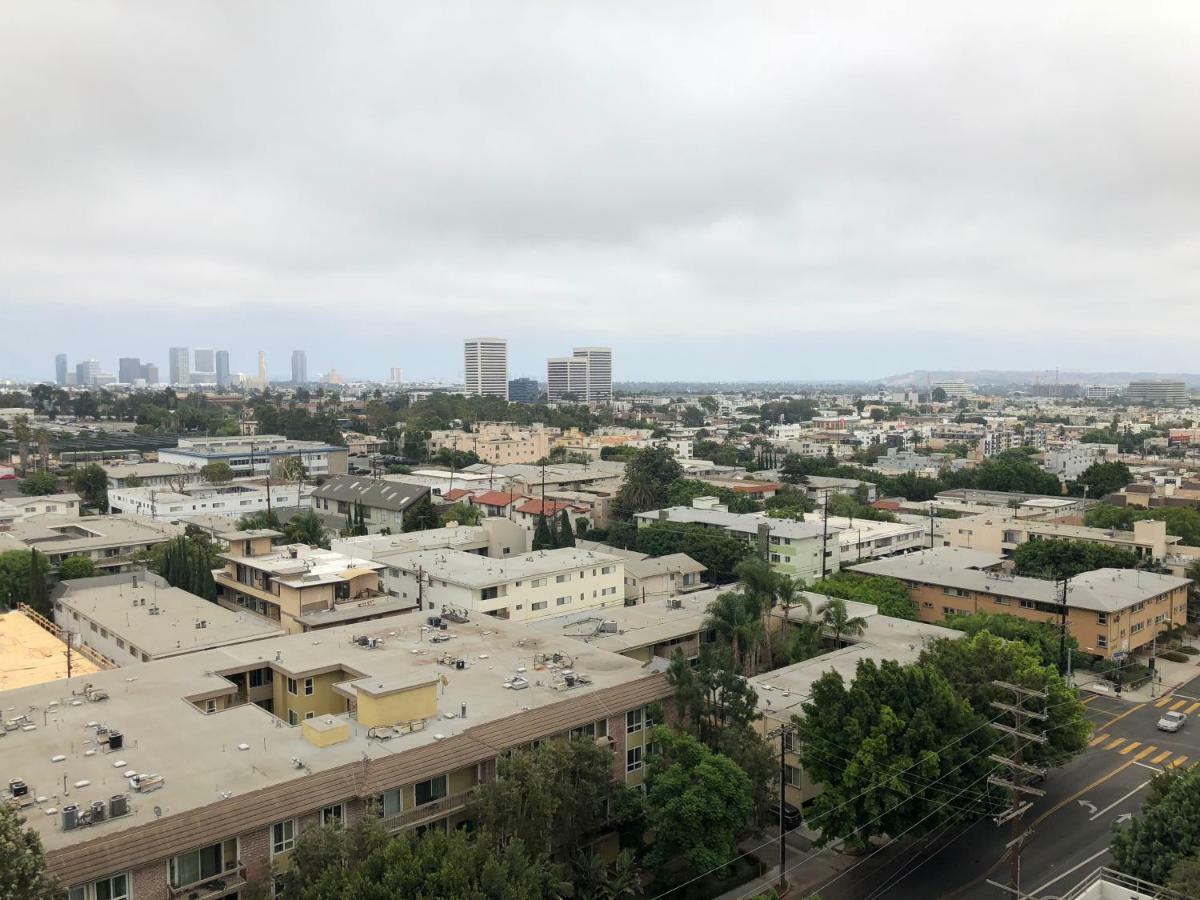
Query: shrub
[1173, 656]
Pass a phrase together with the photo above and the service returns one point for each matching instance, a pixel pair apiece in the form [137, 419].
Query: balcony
[213, 888]
[419, 815]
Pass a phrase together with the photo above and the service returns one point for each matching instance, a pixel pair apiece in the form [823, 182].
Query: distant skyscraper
[599, 375]
[222, 361]
[299, 367]
[129, 369]
[523, 390]
[150, 373]
[396, 376]
[205, 362]
[60, 369]
[263, 381]
[179, 365]
[485, 367]
[566, 379]
[86, 372]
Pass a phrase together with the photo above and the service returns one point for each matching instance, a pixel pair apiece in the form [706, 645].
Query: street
[1069, 828]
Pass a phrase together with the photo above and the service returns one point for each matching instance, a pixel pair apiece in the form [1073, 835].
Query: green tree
[1167, 831]
[91, 483]
[973, 664]
[897, 751]
[889, 595]
[647, 479]
[581, 527]
[1101, 479]
[553, 799]
[718, 552]
[1055, 559]
[132, 481]
[23, 874]
[543, 537]
[187, 562]
[789, 592]
[1043, 637]
[697, 803]
[851, 508]
[263, 519]
[594, 879]
[464, 514]
[838, 622]
[565, 536]
[938, 395]
[219, 472]
[38, 484]
[421, 516]
[364, 863]
[692, 417]
[19, 569]
[76, 567]
[736, 620]
[307, 528]
[1185, 876]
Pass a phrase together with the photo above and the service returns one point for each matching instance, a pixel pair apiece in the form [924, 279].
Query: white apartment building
[229, 501]
[954, 389]
[529, 586]
[1100, 392]
[1069, 462]
[485, 367]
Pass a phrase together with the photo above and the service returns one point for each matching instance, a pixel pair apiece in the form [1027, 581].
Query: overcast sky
[737, 191]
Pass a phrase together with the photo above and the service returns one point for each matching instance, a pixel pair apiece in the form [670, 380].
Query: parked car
[792, 818]
[1171, 721]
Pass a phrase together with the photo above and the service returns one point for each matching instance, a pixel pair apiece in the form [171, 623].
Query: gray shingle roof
[394, 495]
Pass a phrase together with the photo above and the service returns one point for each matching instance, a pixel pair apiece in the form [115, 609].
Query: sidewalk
[808, 867]
[1168, 677]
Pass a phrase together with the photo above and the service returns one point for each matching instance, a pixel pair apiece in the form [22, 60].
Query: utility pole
[1018, 771]
[1064, 584]
[783, 732]
[825, 537]
[930, 524]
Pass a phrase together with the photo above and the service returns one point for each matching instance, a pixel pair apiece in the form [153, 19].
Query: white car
[1171, 721]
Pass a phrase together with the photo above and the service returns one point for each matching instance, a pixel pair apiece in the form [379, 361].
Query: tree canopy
[91, 483]
[38, 484]
[1055, 559]
[219, 472]
[648, 477]
[23, 873]
[76, 567]
[717, 551]
[1167, 831]
[1100, 479]
[1043, 637]
[21, 572]
[1183, 521]
[890, 595]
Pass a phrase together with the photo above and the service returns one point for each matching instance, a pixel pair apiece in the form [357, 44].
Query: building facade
[299, 367]
[523, 390]
[222, 362]
[566, 379]
[179, 365]
[485, 367]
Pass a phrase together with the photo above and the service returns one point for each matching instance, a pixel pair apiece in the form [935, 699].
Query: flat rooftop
[30, 655]
[161, 620]
[52, 533]
[635, 626]
[199, 755]
[475, 571]
[743, 522]
[300, 566]
[382, 546]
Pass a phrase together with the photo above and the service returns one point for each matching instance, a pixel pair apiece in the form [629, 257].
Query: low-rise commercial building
[137, 617]
[259, 455]
[1109, 611]
[229, 501]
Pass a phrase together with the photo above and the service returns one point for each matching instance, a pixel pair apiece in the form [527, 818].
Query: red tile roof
[456, 494]
[494, 498]
[886, 504]
[550, 508]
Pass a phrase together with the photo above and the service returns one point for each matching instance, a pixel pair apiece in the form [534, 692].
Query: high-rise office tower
[523, 390]
[60, 369]
[566, 379]
[150, 373]
[396, 376]
[179, 365]
[222, 361]
[86, 372]
[299, 367]
[205, 362]
[485, 367]
[263, 381]
[599, 375]
[129, 369]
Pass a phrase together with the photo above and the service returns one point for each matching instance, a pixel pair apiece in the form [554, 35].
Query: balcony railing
[427, 812]
[213, 888]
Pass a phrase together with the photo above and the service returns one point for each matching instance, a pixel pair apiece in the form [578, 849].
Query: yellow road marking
[1115, 719]
[1142, 754]
[1175, 706]
[1095, 784]
[1158, 759]
[1099, 740]
[1191, 709]
[1115, 743]
[1164, 701]
[1090, 699]
[1128, 748]
[1177, 762]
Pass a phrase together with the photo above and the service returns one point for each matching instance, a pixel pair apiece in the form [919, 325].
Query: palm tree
[22, 434]
[735, 619]
[789, 591]
[292, 469]
[307, 528]
[42, 437]
[758, 585]
[837, 620]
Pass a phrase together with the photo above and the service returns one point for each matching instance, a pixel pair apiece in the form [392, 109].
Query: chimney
[463, 711]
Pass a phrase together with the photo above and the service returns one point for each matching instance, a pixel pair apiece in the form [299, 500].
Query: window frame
[281, 842]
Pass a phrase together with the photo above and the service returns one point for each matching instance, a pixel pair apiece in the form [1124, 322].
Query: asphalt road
[1071, 825]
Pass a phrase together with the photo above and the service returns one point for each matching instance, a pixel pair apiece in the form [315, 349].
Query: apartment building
[485, 367]
[210, 765]
[1109, 611]
[801, 549]
[145, 474]
[649, 579]
[529, 586]
[257, 455]
[1159, 390]
[1070, 461]
[496, 442]
[136, 617]
[1003, 534]
[862, 539]
[527, 514]
[110, 542]
[65, 504]
[494, 537]
[384, 503]
[230, 501]
[298, 587]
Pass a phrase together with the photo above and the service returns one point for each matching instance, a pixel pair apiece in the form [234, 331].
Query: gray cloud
[663, 176]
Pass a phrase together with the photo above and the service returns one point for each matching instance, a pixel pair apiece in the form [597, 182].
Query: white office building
[599, 372]
[485, 367]
[178, 359]
[566, 379]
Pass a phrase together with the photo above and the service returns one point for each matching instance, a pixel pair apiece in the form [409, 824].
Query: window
[333, 815]
[283, 836]
[115, 887]
[789, 742]
[1102, 640]
[210, 706]
[433, 789]
[291, 685]
[954, 592]
[1028, 604]
[260, 677]
[1134, 629]
[539, 605]
[1137, 607]
[633, 721]
[538, 582]
[791, 774]
[582, 731]
[389, 803]
[1101, 618]
[607, 570]
[310, 715]
[633, 759]
[203, 864]
[293, 719]
[559, 579]
[562, 601]
[308, 687]
[120, 644]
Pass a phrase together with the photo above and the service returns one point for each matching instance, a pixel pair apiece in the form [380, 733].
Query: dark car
[792, 819]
